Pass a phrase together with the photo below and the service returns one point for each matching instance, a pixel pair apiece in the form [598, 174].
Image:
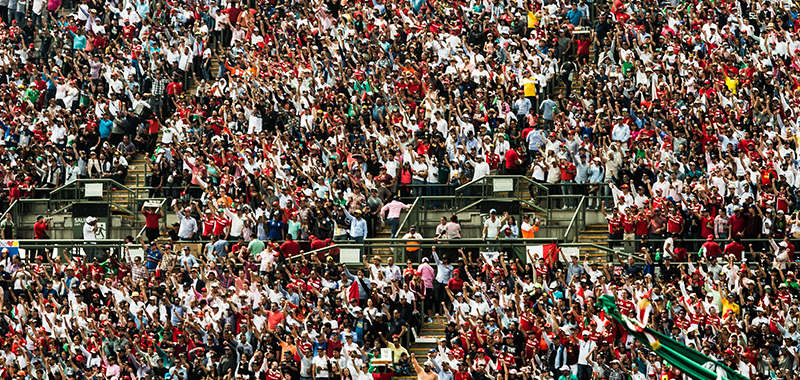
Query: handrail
[10, 207]
[63, 203]
[470, 183]
[588, 245]
[412, 210]
[89, 180]
[573, 228]
[431, 242]
[536, 207]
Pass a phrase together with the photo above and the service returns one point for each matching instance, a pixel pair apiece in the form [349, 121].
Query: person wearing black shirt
[173, 233]
[196, 370]
[397, 325]
[289, 367]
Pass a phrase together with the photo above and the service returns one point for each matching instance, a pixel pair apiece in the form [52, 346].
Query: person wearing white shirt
[478, 306]
[621, 132]
[237, 223]
[392, 271]
[586, 349]
[481, 168]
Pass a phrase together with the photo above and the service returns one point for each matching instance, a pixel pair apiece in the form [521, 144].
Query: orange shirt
[529, 231]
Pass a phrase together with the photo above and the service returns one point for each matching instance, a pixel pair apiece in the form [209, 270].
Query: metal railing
[517, 247]
[411, 218]
[577, 223]
[68, 248]
[69, 194]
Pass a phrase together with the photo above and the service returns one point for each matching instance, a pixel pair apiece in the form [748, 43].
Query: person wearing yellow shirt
[533, 19]
[529, 86]
[728, 304]
[732, 84]
[529, 230]
[397, 348]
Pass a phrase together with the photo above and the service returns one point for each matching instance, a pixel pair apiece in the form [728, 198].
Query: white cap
[90, 219]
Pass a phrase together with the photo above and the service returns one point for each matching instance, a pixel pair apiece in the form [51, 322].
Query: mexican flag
[694, 364]
[549, 252]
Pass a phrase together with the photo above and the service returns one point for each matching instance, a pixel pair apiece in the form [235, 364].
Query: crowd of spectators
[271, 123]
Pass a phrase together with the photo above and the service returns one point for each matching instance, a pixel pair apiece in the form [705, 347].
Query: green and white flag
[692, 363]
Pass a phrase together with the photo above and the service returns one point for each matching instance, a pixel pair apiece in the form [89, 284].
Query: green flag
[694, 364]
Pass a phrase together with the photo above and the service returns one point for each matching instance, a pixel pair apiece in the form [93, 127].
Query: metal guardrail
[71, 193]
[516, 246]
[411, 218]
[577, 223]
[67, 248]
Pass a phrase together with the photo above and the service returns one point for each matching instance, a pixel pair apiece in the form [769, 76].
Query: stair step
[432, 331]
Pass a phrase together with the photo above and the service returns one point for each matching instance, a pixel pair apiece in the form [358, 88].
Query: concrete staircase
[594, 234]
[384, 253]
[427, 338]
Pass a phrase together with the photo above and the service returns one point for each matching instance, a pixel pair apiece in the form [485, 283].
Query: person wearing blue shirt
[105, 126]
[358, 226]
[153, 254]
[596, 173]
[276, 228]
[362, 325]
[535, 143]
[575, 15]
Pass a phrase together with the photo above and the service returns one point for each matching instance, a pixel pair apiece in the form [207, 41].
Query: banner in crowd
[694, 364]
[490, 257]
[549, 252]
[11, 245]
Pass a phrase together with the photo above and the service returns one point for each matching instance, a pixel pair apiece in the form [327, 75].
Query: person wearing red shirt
[221, 224]
[737, 223]
[706, 223]
[711, 247]
[642, 224]
[208, 225]
[492, 158]
[40, 228]
[614, 225]
[13, 191]
[675, 223]
[151, 219]
[513, 163]
[567, 170]
[628, 228]
[735, 248]
[567, 176]
[128, 31]
[456, 284]
[238, 246]
[463, 372]
[290, 247]
[768, 175]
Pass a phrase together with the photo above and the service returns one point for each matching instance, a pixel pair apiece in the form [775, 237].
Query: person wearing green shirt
[566, 374]
[32, 94]
[256, 246]
[78, 40]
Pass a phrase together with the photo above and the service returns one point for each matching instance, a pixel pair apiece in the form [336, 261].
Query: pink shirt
[394, 208]
[427, 274]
